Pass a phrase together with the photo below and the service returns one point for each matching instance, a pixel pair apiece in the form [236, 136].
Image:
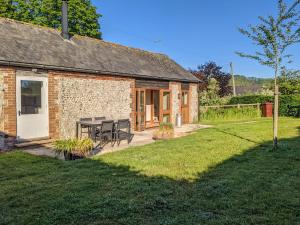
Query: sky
[192, 32]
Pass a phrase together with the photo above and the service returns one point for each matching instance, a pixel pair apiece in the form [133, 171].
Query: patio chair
[123, 131]
[106, 132]
[83, 128]
[100, 118]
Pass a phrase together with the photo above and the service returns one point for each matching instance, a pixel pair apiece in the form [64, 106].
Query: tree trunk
[276, 107]
[275, 118]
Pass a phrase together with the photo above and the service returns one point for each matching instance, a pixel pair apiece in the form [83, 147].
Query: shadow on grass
[258, 187]
[236, 135]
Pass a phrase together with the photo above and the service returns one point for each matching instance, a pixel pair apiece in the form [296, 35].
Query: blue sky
[191, 32]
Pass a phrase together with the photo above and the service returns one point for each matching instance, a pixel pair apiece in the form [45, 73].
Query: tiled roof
[27, 44]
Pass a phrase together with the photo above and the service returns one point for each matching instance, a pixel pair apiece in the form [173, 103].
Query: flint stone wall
[1, 101]
[193, 103]
[79, 98]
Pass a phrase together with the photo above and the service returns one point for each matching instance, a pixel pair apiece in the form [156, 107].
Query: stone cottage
[48, 82]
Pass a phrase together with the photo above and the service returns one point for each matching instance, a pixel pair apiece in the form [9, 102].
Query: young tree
[83, 18]
[274, 35]
[212, 70]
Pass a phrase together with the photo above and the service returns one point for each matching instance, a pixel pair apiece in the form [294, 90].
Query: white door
[32, 107]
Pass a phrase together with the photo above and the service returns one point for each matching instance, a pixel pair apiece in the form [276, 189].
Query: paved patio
[139, 139]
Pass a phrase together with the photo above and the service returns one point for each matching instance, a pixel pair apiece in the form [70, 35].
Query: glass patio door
[140, 109]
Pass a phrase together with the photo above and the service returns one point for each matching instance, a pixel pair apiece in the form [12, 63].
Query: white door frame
[32, 126]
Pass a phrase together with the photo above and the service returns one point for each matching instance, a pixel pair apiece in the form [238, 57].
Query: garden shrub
[77, 146]
[284, 102]
[165, 131]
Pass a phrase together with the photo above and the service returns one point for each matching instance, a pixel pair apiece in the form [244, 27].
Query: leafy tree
[274, 35]
[210, 96]
[212, 70]
[213, 88]
[83, 18]
[289, 82]
[265, 91]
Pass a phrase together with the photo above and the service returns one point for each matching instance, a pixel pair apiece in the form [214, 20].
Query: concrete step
[45, 143]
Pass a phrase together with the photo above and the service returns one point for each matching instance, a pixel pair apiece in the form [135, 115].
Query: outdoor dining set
[101, 130]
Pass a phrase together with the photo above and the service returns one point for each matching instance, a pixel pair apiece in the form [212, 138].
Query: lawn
[222, 175]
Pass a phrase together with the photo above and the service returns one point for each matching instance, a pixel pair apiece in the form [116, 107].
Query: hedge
[284, 102]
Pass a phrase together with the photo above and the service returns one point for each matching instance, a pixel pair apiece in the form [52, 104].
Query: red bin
[267, 109]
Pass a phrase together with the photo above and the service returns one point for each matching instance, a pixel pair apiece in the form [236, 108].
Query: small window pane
[166, 101]
[184, 98]
[166, 118]
[31, 97]
[156, 105]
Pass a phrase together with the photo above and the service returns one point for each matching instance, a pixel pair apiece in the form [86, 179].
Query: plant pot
[71, 156]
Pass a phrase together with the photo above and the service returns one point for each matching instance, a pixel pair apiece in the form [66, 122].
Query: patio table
[91, 124]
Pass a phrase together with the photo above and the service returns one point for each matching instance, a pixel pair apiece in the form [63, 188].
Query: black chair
[100, 118]
[106, 132]
[83, 128]
[123, 131]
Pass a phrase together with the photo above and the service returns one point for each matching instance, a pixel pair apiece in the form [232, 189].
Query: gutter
[82, 70]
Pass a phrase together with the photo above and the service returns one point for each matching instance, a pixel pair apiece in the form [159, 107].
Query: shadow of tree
[236, 135]
[258, 187]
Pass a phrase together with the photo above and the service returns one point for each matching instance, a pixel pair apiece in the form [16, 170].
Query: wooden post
[233, 80]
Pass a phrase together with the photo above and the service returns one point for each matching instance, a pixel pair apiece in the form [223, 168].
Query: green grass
[223, 175]
[229, 114]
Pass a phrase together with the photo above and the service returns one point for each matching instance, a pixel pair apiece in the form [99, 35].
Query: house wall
[1, 100]
[176, 102]
[80, 96]
[2, 135]
[8, 118]
[193, 93]
[76, 95]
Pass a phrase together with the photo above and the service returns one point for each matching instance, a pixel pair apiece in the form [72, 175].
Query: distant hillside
[247, 85]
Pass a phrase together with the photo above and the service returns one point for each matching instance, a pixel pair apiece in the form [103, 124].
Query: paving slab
[139, 139]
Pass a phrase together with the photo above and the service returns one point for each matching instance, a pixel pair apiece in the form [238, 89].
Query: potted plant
[73, 148]
[165, 131]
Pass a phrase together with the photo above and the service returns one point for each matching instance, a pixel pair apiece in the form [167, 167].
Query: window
[166, 101]
[31, 97]
[166, 106]
[166, 118]
[140, 109]
[184, 99]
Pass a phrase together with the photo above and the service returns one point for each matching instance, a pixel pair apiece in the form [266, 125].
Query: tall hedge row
[284, 102]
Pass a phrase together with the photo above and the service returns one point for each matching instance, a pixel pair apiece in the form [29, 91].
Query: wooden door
[185, 106]
[140, 109]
